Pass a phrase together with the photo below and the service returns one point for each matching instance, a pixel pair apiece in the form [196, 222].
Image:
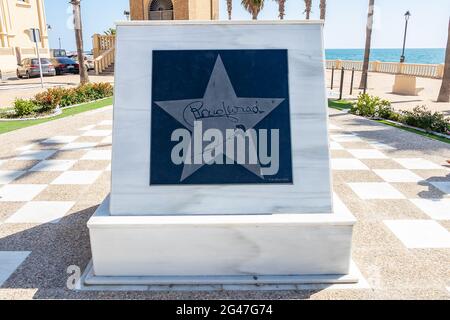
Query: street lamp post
[407, 16]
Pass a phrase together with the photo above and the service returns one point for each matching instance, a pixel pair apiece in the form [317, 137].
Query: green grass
[8, 126]
[424, 134]
[339, 104]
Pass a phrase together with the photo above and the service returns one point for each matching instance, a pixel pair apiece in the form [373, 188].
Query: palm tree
[323, 9]
[84, 77]
[308, 6]
[110, 32]
[229, 8]
[444, 93]
[369, 26]
[281, 8]
[253, 6]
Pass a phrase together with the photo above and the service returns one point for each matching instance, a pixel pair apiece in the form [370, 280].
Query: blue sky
[345, 26]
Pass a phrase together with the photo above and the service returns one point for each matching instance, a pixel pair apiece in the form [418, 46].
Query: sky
[345, 23]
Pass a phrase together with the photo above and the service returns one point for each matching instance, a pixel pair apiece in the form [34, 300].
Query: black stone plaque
[220, 117]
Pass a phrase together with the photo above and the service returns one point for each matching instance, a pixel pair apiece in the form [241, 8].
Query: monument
[220, 159]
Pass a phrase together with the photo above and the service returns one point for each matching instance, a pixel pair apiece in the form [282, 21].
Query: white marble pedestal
[240, 250]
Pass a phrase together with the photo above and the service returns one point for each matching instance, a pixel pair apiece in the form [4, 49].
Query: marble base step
[220, 250]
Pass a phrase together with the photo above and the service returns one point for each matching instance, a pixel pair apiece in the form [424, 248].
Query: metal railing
[161, 15]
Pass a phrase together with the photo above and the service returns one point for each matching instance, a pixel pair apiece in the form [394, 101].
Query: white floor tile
[420, 233]
[35, 154]
[20, 192]
[398, 175]
[417, 164]
[375, 190]
[348, 164]
[9, 262]
[78, 146]
[97, 133]
[77, 177]
[335, 146]
[107, 140]
[438, 209]
[105, 123]
[334, 127]
[381, 146]
[367, 153]
[87, 128]
[345, 138]
[97, 155]
[8, 176]
[53, 165]
[444, 186]
[60, 140]
[41, 212]
[27, 147]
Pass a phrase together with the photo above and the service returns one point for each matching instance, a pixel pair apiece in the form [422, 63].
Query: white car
[88, 61]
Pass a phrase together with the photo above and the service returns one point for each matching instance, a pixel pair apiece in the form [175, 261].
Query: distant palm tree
[365, 69]
[444, 93]
[323, 9]
[110, 32]
[254, 7]
[229, 8]
[84, 77]
[308, 7]
[281, 8]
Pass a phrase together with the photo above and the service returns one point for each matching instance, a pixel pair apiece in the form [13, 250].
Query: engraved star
[218, 95]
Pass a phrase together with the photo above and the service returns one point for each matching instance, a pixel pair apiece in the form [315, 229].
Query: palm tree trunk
[229, 8]
[444, 93]
[323, 9]
[281, 9]
[365, 69]
[255, 15]
[84, 77]
[308, 5]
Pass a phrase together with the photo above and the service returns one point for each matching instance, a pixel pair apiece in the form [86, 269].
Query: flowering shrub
[63, 97]
[24, 107]
[374, 107]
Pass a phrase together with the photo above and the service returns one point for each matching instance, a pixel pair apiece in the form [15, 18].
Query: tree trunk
[281, 9]
[365, 69]
[84, 77]
[255, 15]
[229, 8]
[323, 9]
[308, 4]
[444, 93]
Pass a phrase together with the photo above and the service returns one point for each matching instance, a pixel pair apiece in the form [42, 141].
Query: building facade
[174, 9]
[17, 17]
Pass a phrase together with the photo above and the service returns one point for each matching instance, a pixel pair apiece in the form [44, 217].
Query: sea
[425, 56]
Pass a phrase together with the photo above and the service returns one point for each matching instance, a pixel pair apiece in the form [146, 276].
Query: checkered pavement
[408, 196]
[366, 168]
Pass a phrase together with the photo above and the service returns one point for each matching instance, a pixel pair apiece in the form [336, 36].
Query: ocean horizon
[421, 56]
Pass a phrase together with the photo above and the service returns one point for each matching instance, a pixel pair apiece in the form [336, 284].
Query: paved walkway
[380, 84]
[397, 184]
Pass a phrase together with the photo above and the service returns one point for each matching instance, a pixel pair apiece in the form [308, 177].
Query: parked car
[88, 61]
[58, 53]
[65, 65]
[30, 68]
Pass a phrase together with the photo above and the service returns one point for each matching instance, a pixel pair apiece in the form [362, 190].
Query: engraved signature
[196, 111]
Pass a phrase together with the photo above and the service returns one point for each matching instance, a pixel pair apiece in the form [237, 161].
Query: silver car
[30, 68]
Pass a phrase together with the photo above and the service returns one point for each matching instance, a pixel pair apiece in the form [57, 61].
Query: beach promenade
[380, 84]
